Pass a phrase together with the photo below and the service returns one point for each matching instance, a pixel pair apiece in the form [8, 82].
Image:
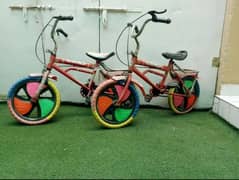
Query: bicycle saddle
[100, 56]
[180, 55]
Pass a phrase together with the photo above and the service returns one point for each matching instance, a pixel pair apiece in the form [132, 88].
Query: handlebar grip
[166, 21]
[157, 12]
[62, 32]
[64, 18]
[156, 19]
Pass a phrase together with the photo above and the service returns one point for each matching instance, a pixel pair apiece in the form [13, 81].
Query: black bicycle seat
[100, 56]
[180, 55]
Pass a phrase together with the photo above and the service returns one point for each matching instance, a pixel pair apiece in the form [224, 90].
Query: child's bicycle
[35, 99]
[115, 102]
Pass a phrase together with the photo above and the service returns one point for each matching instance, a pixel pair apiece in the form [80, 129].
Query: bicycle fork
[189, 91]
[123, 93]
[41, 86]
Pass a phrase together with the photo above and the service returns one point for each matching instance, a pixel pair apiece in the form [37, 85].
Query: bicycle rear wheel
[27, 112]
[104, 109]
[179, 101]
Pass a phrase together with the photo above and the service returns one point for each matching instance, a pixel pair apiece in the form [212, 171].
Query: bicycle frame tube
[153, 69]
[55, 63]
[87, 68]
[162, 71]
[142, 75]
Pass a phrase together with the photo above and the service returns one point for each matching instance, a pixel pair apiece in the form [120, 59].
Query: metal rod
[20, 7]
[110, 9]
[99, 26]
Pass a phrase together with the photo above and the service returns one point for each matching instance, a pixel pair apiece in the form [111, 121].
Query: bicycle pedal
[87, 101]
[148, 98]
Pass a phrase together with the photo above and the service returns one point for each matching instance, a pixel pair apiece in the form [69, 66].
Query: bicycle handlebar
[57, 19]
[153, 18]
[64, 18]
[166, 21]
[157, 12]
[156, 19]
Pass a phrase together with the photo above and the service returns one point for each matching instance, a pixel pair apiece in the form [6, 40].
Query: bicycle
[35, 99]
[115, 102]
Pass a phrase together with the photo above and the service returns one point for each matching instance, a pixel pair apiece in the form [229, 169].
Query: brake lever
[58, 31]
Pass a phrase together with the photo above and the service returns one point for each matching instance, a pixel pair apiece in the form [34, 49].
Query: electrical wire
[43, 49]
[128, 46]
[37, 42]
[117, 43]
[43, 42]
[128, 26]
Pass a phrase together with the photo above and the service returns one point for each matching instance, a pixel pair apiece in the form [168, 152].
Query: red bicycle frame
[87, 68]
[162, 71]
[74, 66]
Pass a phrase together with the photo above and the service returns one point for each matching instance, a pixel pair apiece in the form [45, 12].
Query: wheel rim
[109, 111]
[29, 110]
[183, 102]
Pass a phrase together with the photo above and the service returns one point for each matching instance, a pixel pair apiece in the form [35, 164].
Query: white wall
[196, 26]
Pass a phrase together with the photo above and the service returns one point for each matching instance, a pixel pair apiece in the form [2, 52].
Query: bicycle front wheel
[104, 107]
[24, 109]
[179, 101]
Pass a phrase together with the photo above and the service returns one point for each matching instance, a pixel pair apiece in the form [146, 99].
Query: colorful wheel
[24, 110]
[179, 101]
[104, 106]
